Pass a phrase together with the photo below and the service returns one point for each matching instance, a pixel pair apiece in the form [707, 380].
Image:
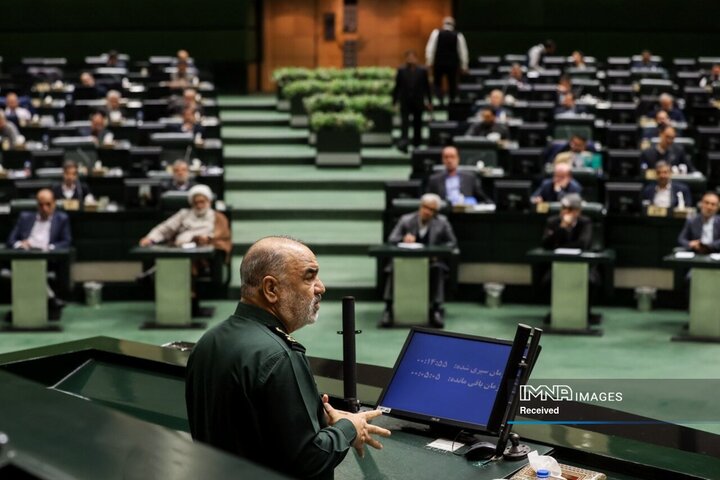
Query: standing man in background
[537, 52]
[446, 51]
[412, 92]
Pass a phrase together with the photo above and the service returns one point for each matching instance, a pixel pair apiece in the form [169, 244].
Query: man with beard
[249, 388]
[200, 225]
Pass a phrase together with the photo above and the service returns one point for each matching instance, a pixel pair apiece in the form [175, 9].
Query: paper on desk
[715, 256]
[413, 245]
[684, 254]
[483, 207]
[445, 445]
[568, 251]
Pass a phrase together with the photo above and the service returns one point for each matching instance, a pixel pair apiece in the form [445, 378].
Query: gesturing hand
[362, 426]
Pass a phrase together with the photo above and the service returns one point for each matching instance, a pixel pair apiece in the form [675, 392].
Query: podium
[411, 279]
[704, 298]
[570, 303]
[173, 284]
[29, 287]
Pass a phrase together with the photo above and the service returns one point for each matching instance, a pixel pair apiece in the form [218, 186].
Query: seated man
[646, 61]
[701, 234]
[666, 104]
[577, 155]
[667, 150]
[14, 112]
[496, 102]
[662, 121]
[113, 106]
[200, 225]
[88, 80]
[711, 78]
[191, 123]
[9, 134]
[428, 227]
[180, 181]
[568, 107]
[516, 75]
[488, 127]
[189, 100]
[182, 77]
[46, 229]
[456, 186]
[98, 129]
[664, 192]
[113, 60]
[555, 188]
[570, 229]
[71, 188]
[577, 60]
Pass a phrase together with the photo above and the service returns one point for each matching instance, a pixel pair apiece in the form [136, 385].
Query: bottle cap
[542, 473]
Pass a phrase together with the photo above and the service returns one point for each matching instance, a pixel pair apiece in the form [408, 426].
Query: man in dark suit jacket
[425, 226]
[488, 125]
[71, 188]
[45, 229]
[412, 92]
[570, 229]
[555, 188]
[664, 192]
[180, 181]
[454, 185]
[668, 151]
[701, 233]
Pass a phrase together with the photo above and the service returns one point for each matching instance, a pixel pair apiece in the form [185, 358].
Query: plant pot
[338, 148]
[298, 115]
[381, 131]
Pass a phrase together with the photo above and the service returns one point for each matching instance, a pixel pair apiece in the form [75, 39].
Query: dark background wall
[598, 27]
[221, 34]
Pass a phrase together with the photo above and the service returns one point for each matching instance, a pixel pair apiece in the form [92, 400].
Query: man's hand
[202, 240]
[24, 245]
[145, 242]
[536, 199]
[695, 245]
[409, 238]
[360, 422]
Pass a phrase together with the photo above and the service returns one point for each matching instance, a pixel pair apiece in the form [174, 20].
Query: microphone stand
[352, 404]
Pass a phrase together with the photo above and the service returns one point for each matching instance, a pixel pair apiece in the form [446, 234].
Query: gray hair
[432, 197]
[179, 162]
[113, 93]
[259, 261]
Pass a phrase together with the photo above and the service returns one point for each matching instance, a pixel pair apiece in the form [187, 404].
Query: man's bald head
[280, 275]
[45, 203]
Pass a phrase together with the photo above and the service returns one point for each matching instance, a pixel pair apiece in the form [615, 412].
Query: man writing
[427, 227]
[250, 390]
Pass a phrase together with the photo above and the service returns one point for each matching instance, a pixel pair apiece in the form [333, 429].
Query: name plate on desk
[650, 174]
[411, 246]
[655, 211]
[683, 212]
[70, 204]
[542, 207]
[685, 255]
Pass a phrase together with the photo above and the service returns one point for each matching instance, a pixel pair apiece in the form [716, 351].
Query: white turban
[203, 190]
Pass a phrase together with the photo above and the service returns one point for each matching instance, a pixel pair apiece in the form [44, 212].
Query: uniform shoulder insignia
[294, 344]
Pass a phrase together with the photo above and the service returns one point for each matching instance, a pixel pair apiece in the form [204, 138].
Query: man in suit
[555, 188]
[180, 181]
[664, 192]
[428, 227]
[488, 125]
[701, 233]
[412, 92]
[667, 150]
[538, 52]
[446, 52]
[45, 229]
[71, 188]
[570, 229]
[98, 129]
[666, 104]
[456, 186]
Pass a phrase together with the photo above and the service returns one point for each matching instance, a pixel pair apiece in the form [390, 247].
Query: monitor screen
[512, 195]
[448, 379]
[623, 197]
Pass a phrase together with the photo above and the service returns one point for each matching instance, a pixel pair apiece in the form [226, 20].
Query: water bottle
[46, 141]
[139, 117]
[61, 118]
[542, 473]
[27, 166]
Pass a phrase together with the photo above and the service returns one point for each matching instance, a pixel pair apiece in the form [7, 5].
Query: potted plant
[375, 73]
[286, 75]
[296, 92]
[379, 110]
[338, 137]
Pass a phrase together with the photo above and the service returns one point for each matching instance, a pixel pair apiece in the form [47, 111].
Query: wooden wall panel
[293, 32]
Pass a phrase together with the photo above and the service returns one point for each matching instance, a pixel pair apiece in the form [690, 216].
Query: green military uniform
[250, 391]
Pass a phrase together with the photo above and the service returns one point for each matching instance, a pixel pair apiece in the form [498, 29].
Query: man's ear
[269, 288]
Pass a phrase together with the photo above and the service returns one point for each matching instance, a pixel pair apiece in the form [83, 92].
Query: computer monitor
[474, 149]
[623, 163]
[623, 197]
[29, 188]
[142, 192]
[512, 195]
[525, 162]
[450, 380]
[52, 158]
[624, 135]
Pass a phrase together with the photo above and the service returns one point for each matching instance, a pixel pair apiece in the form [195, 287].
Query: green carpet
[309, 173]
[313, 232]
[263, 133]
[258, 200]
[247, 101]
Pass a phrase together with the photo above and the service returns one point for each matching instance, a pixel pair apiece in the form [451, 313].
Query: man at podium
[426, 227]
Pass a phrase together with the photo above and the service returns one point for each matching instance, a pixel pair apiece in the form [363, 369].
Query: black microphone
[349, 359]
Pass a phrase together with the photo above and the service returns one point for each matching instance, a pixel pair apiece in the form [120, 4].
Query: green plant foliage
[375, 73]
[339, 121]
[324, 102]
[367, 103]
[303, 88]
[283, 76]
